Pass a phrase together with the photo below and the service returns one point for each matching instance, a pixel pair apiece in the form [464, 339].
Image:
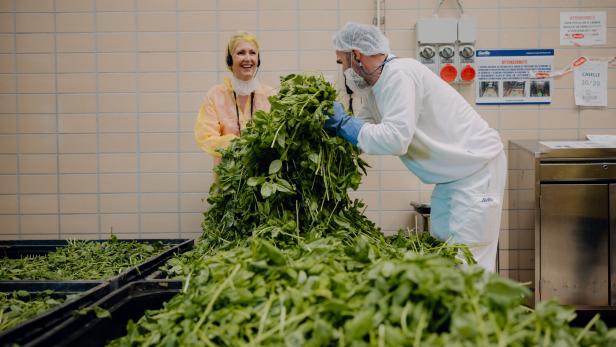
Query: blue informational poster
[509, 76]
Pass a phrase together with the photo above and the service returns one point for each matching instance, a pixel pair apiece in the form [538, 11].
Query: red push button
[448, 73]
[468, 73]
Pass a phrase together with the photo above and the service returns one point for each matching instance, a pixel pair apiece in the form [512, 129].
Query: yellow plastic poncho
[217, 123]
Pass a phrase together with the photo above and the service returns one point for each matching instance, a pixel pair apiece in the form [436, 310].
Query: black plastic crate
[89, 292]
[129, 302]
[156, 275]
[23, 248]
[151, 265]
[586, 313]
[18, 249]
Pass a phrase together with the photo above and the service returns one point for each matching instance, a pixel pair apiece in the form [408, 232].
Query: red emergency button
[468, 73]
[448, 73]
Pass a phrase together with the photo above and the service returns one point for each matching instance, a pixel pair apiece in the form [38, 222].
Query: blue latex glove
[346, 126]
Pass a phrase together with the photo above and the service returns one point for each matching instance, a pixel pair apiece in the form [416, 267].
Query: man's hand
[346, 126]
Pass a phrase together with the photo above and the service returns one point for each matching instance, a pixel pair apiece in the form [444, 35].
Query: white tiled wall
[98, 99]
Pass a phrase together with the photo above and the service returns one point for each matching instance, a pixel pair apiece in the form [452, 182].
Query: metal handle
[577, 171]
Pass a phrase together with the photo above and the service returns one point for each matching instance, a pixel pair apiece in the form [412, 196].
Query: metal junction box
[447, 47]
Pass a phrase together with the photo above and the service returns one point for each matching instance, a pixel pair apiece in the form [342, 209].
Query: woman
[228, 107]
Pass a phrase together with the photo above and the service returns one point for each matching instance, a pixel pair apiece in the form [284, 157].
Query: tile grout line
[217, 26]
[421, 192]
[97, 120]
[499, 29]
[540, 132]
[578, 110]
[17, 122]
[55, 56]
[297, 35]
[499, 116]
[218, 54]
[138, 111]
[178, 119]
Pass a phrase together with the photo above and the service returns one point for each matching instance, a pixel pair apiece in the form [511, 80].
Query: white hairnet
[368, 39]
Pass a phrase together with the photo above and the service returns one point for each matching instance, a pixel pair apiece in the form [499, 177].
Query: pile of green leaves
[286, 177]
[81, 260]
[19, 306]
[286, 258]
[184, 265]
[331, 292]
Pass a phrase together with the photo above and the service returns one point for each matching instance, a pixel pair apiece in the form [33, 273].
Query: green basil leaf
[281, 139]
[314, 158]
[255, 181]
[267, 189]
[283, 185]
[275, 166]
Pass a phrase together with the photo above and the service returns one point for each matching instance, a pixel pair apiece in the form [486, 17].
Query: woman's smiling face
[245, 57]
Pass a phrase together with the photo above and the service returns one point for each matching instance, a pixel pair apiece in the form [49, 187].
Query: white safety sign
[582, 28]
[590, 84]
[514, 76]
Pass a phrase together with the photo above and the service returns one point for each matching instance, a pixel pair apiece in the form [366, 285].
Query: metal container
[568, 197]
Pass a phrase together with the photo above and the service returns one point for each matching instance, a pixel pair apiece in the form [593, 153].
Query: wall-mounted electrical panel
[447, 47]
[467, 36]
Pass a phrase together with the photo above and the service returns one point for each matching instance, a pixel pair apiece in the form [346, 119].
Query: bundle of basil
[285, 177]
[286, 258]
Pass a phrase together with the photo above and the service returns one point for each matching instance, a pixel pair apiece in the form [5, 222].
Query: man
[408, 111]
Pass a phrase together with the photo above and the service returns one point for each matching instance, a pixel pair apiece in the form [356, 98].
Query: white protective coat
[412, 113]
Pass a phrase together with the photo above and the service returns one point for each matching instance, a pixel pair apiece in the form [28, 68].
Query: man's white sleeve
[396, 99]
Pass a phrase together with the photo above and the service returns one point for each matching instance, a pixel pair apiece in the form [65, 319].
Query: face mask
[244, 87]
[357, 83]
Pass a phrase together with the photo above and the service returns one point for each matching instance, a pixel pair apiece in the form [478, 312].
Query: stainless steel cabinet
[574, 243]
[563, 202]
